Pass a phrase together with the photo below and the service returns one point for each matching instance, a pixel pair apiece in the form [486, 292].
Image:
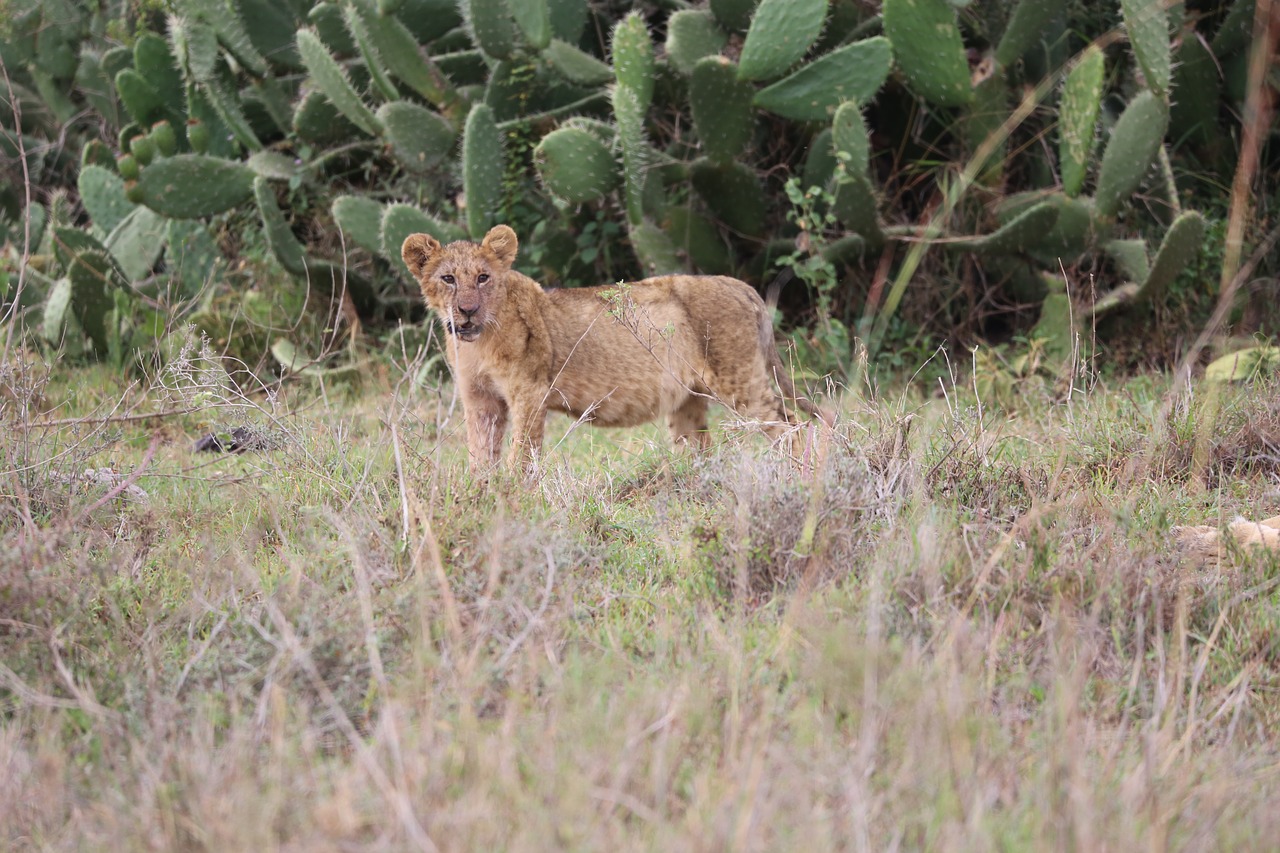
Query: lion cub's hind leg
[689, 424]
[753, 399]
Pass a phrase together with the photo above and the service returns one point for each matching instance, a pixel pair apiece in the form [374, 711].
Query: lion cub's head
[463, 282]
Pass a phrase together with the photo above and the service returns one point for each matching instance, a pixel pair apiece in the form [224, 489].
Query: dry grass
[948, 630]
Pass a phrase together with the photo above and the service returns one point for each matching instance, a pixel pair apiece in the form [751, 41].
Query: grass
[953, 628]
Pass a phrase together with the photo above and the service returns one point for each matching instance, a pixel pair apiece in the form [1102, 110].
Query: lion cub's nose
[468, 308]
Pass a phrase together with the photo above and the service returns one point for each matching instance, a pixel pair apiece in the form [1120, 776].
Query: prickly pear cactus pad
[928, 50]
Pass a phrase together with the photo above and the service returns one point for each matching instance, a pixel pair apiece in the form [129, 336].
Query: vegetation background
[960, 620]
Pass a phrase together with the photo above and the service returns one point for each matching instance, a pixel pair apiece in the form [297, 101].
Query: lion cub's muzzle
[465, 324]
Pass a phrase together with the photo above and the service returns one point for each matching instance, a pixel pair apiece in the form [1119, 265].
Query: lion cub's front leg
[485, 413]
[529, 422]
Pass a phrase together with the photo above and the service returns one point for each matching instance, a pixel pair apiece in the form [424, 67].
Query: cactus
[194, 186]
[102, 194]
[855, 203]
[137, 242]
[359, 220]
[533, 19]
[60, 326]
[630, 119]
[1058, 327]
[94, 83]
[1147, 25]
[194, 44]
[721, 107]
[1130, 257]
[1016, 236]
[576, 66]
[96, 153]
[372, 61]
[280, 239]
[318, 122]
[483, 165]
[330, 25]
[271, 27]
[143, 148]
[333, 278]
[575, 165]
[192, 253]
[633, 59]
[140, 98]
[1194, 113]
[419, 137]
[401, 220]
[398, 50]
[850, 138]
[854, 72]
[274, 165]
[1132, 149]
[227, 107]
[231, 32]
[820, 163]
[691, 35]
[655, 250]
[733, 15]
[984, 119]
[1027, 25]
[568, 18]
[154, 63]
[733, 193]
[781, 33]
[492, 28]
[1179, 247]
[699, 240]
[93, 277]
[1078, 115]
[332, 80]
[197, 136]
[928, 50]
[163, 138]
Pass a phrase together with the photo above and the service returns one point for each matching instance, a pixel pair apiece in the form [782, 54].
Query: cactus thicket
[613, 155]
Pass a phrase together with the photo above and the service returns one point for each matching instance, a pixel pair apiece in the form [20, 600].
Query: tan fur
[617, 355]
[1206, 543]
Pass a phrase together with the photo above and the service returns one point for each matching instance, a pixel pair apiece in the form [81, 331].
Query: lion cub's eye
[447, 279]
[482, 278]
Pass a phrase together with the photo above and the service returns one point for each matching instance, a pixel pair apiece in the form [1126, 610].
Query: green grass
[953, 628]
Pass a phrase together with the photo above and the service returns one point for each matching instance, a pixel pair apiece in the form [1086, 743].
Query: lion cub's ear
[501, 242]
[417, 251]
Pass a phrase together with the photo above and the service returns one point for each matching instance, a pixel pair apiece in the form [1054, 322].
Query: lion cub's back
[636, 350]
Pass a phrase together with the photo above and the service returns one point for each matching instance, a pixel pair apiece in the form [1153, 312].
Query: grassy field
[948, 627]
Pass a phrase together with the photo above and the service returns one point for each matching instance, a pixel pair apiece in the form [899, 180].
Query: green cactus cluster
[357, 122]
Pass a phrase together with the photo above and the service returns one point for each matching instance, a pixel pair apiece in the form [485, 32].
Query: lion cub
[617, 355]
